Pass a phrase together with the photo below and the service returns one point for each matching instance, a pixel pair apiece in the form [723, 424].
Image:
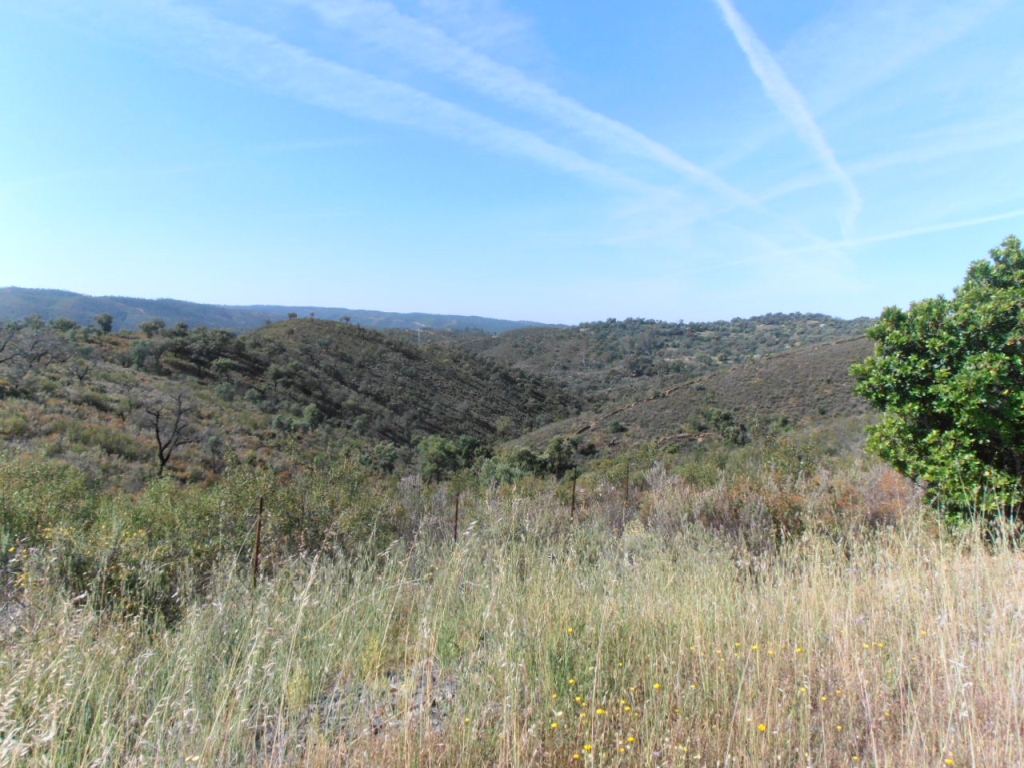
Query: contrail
[934, 228]
[432, 49]
[833, 245]
[294, 72]
[790, 103]
[905, 233]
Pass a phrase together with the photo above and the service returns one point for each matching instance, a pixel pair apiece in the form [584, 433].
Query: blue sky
[560, 162]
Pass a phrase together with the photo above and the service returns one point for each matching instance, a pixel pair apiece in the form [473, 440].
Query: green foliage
[63, 324]
[115, 442]
[147, 354]
[725, 423]
[949, 376]
[610, 357]
[559, 457]
[152, 327]
[440, 458]
[105, 322]
[382, 457]
[37, 496]
[521, 461]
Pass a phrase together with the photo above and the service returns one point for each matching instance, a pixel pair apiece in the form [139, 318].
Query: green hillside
[386, 388]
[297, 387]
[305, 384]
[615, 359]
[805, 385]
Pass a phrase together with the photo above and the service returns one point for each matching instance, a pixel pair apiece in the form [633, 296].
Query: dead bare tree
[169, 422]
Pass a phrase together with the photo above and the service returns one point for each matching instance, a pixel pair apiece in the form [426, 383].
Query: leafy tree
[949, 376]
[105, 322]
[30, 346]
[440, 458]
[725, 424]
[63, 324]
[146, 355]
[152, 327]
[382, 457]
[311, 417]
[558, 458]
[203, 346]
[522, 461]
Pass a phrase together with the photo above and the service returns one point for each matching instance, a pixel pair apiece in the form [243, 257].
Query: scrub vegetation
[770, 604]
[315, 545]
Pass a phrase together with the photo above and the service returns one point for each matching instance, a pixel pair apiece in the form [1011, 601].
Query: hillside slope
[93, 398]
[615, 359]
[389, 389]
[800, 386]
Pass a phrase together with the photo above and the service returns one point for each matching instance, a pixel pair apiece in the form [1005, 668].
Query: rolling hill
[315, 382]
[302, 385]
[809, 384]
[613, 360]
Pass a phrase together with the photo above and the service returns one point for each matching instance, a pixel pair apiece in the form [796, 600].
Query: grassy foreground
[667, 633]
[788, 604]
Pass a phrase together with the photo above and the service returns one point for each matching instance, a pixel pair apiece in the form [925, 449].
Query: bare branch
[171, 427]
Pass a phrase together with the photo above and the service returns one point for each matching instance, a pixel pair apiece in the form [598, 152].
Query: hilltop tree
[152, 327]
[63, 324]
[105, 322]
[948, 375]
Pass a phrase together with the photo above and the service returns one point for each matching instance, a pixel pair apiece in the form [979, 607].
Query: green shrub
[948, 375]
[37, 496]
[115, 442]
[13, 425]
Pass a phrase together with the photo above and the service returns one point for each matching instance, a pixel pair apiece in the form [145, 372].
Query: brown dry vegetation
[815, 618]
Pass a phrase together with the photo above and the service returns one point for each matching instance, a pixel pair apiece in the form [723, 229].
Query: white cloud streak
[966, 138]
[827, 258]
[861, 45]
[905, 233]
[866, 42]
[381, 24]
[791, 104]
[293, 72]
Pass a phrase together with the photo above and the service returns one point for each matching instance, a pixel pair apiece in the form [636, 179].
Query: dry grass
[658, 642]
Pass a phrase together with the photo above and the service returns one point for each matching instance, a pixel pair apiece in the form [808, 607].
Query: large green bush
[949, 376]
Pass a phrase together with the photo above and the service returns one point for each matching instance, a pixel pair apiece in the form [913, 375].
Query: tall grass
[702, 626]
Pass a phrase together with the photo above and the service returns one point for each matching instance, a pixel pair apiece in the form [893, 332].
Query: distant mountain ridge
[19, 303]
